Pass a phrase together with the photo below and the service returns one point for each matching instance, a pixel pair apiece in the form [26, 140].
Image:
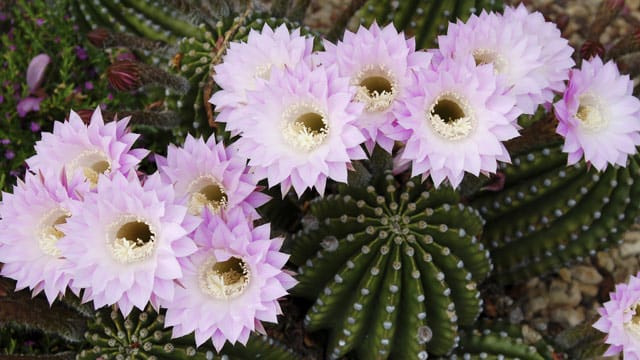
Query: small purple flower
[34, 126]
[619, 319]
[40, 22]
[1, 99]
[9, 154]
[28, 105]
[36, 70]
[5, 141]
[88, 85]
[81, 53]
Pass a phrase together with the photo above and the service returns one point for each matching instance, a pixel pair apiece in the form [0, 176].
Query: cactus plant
[549, 214]
[142, 335]
[499, 341]
[422, 18]
[393, 268]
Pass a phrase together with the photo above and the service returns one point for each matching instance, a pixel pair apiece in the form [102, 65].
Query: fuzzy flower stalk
[124, 241]
[378, 62]
[598, 115]
[232, 283]
[620, 320]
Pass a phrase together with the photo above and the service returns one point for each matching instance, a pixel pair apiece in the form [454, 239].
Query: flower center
[633, 326]
[224, 279]
[304, 126]
[451, 116]
[590, 113]
[48, 232]
[131, 239]
[206, 191]
[377, 87]
[486, 56]
[93, 163]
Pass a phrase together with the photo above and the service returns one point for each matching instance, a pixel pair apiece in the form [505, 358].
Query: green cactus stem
[549, 214]
[142, 335]
[423, 19]
[498, 343]
[393, 269]
[21, 310]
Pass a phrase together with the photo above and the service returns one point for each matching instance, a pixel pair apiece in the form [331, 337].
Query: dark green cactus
[142, 336]
[393, 268]
[549, 214]
[498, 342]
[423, 19]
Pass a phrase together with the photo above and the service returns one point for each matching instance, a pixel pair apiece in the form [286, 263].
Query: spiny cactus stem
[627, 45]
[177, 26]
[338, 29]
[540, 133]
[299, 10]
[279, 8]
[104, 38]
[608, 11]
[218, 52]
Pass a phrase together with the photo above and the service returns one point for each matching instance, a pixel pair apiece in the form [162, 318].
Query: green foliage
[549, 214]
[71, 80]
[393, 268]
[423, 19]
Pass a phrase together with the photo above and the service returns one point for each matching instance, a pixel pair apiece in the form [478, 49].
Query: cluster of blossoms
[182, 238]
[302, 116]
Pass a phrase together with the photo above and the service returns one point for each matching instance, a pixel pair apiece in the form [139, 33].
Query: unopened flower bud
[124, 75]
[591, 48]
[99, 37]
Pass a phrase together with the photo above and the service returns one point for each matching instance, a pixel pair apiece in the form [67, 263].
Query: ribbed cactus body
[393, 269]
[142, 335]
[424, 19]
[549, 214]
[497, 343]
[154, 20]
